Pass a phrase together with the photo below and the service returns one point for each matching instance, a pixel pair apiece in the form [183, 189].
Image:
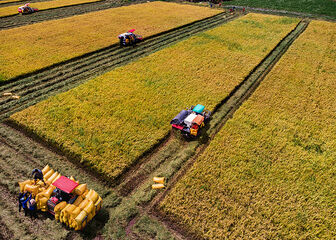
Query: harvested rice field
[113, 119]
[73, 99]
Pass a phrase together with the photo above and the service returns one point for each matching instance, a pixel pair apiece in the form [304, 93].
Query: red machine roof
[65, 184]
[132, 30]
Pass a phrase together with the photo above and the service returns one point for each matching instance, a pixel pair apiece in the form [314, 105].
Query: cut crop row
[269, 173]
[52, 42]
[13, 10]
[111, 120]
[62, 77]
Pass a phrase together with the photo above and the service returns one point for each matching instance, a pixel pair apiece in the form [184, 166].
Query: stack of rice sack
[78, 214]
[41, 191]
[75, 215]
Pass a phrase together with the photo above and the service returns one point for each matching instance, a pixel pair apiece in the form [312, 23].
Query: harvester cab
[129, 38]
[190, 121]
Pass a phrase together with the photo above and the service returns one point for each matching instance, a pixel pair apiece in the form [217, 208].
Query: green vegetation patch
[318, 7]
[113, 119]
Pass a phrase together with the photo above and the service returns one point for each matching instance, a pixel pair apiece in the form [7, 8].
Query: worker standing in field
[37, 174]
[22, 198]
[24, 202]
[32, 208]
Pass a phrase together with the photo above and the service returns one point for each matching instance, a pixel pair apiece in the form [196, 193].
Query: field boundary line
[238, 96]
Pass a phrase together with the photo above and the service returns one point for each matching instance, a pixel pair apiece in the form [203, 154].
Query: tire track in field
[225, 110]
[61, 77]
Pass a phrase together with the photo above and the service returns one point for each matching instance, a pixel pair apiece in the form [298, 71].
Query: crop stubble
[269, 171]
[112, 119]
[55, 41]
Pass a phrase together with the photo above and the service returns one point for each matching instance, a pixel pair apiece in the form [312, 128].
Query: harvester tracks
[223, 112]
[61, 77]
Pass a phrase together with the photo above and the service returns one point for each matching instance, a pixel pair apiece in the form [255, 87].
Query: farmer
[37, 174]
[22, 198]
[32, 208]
[24, 202]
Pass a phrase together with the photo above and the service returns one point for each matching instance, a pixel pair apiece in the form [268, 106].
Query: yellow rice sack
[58, 208]
[80, 189]
[92, 195]
[83, 204]
[48, 174]
[81, 220]
[33, 189]
[90, 208]
[23, 184]
[98, 204]
[42, 204]
[52, 177]
[78, 200]
[58, 176]
[45, 169]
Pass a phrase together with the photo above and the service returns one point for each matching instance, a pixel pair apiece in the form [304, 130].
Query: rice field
[7, 11]
[270, 171]
[54, 41]
[113, 119]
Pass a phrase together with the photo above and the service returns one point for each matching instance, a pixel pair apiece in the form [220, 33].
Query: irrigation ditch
[131, 209]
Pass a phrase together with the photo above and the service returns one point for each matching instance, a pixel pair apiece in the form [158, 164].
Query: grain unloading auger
[190, 120]
[70, 202]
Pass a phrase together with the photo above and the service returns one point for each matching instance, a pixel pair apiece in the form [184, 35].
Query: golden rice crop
[10, 10]
[111, 120]
[9, 1]
[28, 48]
[270, 171]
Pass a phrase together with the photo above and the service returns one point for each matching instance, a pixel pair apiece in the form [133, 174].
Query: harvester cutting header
[189, 121]
[70, 202]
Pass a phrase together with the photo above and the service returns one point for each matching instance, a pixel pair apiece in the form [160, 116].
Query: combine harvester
[189, 121]
[70, 202]
[129, 38]
[26, 9]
